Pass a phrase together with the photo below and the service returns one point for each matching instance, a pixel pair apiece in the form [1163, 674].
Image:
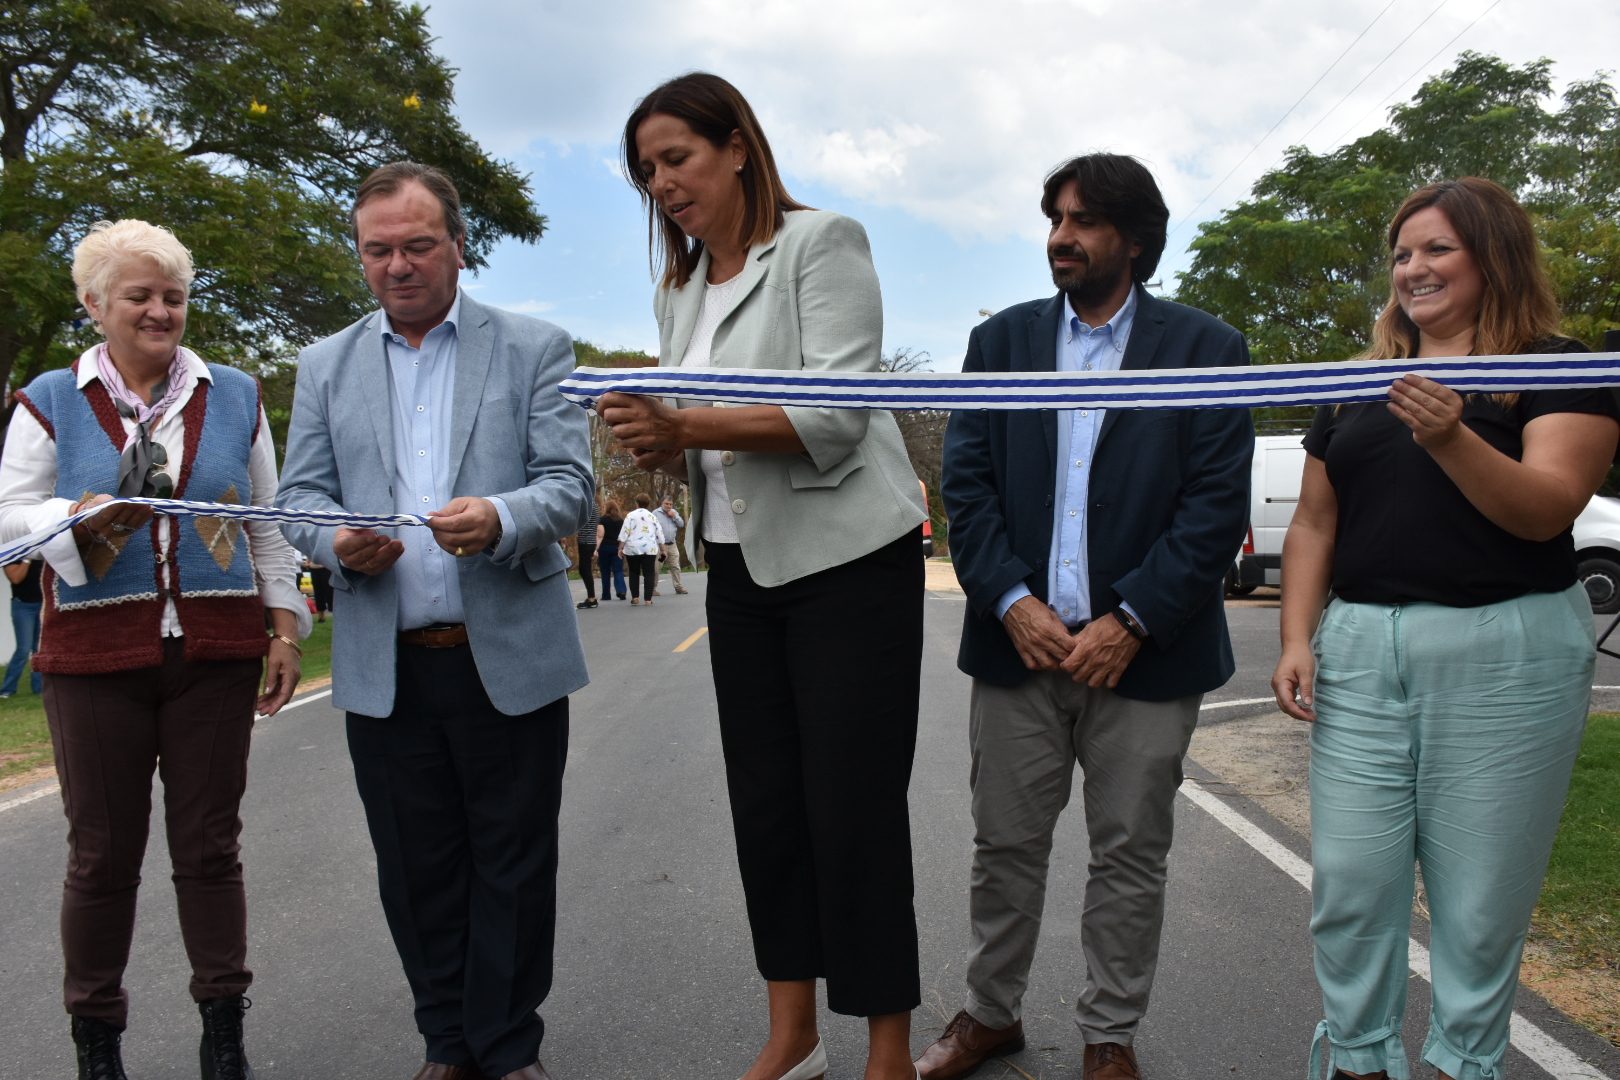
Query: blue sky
[933, 122]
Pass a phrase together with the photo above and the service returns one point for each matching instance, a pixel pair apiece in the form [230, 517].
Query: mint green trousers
[1444, 736]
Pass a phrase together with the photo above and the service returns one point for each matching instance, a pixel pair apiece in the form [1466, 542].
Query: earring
[739, 168]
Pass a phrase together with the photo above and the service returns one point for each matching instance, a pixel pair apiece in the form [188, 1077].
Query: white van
[1279, 463]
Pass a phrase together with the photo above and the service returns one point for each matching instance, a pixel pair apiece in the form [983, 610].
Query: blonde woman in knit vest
[154, 640]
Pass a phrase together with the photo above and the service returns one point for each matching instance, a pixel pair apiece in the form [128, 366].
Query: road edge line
[1551, 1055]
[51, 788]
[294, 704]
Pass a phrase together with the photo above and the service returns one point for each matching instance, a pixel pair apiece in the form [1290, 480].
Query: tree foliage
[244, 126]
[1301, 267]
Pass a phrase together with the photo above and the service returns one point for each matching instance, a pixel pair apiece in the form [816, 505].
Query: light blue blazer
[512, 435]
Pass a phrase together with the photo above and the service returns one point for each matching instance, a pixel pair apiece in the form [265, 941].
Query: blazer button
[738, 506]
[728, 458]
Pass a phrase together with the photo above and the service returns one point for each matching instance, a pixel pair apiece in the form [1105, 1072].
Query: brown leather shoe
[536, 1071]
[432, 1070]
[966, 1045]
[1111, 1061]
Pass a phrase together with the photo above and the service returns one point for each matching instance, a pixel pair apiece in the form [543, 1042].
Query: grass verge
[1579, 913]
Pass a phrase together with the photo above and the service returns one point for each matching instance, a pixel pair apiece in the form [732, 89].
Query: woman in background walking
[607, 550]
[641, 539]
[590, 535]
[1452, 673]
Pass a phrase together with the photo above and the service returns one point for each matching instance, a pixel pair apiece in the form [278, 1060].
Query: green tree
[243, 126]
[1301, 266]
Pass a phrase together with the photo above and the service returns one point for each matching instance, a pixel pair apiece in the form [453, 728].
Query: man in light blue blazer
[455, 646]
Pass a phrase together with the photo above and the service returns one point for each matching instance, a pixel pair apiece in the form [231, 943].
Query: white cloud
[953, 110]
[531, 307]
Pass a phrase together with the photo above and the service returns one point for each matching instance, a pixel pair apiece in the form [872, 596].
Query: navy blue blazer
[1169, 500]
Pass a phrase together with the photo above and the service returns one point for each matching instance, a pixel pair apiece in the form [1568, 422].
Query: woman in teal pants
[1452, 671]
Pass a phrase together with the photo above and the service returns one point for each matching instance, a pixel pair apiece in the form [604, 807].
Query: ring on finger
[119, 526]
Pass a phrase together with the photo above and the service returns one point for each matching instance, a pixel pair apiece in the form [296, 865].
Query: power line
[1421, 68]
[1375, 67]
[1286, 115]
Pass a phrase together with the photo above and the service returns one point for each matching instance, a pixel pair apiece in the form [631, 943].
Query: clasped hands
[466, 526]
[1097, 656]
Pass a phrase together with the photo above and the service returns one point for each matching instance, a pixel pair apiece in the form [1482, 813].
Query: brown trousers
[192, 722]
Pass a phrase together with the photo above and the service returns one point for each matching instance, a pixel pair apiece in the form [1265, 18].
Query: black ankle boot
[223, 1057]
[96, 1042]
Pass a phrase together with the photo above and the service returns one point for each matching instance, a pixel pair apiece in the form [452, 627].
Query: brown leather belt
[436, 637]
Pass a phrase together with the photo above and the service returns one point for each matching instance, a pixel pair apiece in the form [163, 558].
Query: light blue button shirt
[1079, 348]
[422, 383]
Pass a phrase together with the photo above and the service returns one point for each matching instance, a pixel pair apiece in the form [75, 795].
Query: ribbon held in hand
[18, 550]
[1154, 388]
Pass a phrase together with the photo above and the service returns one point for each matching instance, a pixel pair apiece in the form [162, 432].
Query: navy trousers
[462, 804]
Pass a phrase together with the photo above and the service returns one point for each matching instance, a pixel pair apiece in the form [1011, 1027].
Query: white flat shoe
[813, 1067]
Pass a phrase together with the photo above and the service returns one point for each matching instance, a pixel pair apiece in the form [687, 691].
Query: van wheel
[1602, 580]
[1234, 589]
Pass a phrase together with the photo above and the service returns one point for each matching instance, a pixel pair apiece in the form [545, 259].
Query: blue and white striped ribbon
[1160, 388]
[18, 550]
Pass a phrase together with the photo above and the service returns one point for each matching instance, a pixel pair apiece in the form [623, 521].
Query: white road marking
[1229, 704]
[23, 800]
[1557, 1059]
[301, 701]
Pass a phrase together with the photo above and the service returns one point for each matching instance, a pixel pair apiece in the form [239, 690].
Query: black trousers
[643, 570]
[585, 573]
[462, 804]
[817, 684]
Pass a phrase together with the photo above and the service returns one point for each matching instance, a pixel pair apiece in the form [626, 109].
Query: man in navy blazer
[455, 646]
[1093, 547]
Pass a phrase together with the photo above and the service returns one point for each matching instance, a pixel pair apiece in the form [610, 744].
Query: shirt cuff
[281, 593]
[62, 553]
[1132, 613]
[508, 543]
[1011, 597]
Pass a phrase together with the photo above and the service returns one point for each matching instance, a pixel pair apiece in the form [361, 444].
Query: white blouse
[719, 523]
[28, 500]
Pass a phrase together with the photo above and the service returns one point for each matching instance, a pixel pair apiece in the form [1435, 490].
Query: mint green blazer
[807, 299]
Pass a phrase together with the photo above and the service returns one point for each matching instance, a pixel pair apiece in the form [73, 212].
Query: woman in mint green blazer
[810, 522]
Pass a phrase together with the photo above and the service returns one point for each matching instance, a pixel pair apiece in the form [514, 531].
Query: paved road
[654, 973]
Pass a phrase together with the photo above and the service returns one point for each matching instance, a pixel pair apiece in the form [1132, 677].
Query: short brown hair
[1519, 308]
[612, 509]
[643, 499]
[714, 109]
[391, 178]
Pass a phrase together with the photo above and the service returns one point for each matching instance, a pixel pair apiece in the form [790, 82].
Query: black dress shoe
[96, 1043]
[221, 1052]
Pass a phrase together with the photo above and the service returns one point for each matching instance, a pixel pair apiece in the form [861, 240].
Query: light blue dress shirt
[1079, 348]
[422, 383]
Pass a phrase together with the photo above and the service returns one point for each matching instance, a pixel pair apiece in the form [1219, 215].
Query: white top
[719, 524]
[640, 533]
[28, 499]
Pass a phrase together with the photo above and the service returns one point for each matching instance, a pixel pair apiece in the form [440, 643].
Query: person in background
[26, 600]
[1093, 546]
[607, 551]
[640, 541]
[142, 679]
[670, 520]
[808, 519]
[320, 580]
[455, 655]
[590, 536]
[1448, 681]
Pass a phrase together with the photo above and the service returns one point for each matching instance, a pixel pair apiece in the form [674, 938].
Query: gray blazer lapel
[1043, 331]
[685, 304]
[475, 348]
[374, 384]
[1147, 330]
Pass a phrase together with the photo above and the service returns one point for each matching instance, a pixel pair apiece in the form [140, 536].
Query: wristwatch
[1134, 628]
